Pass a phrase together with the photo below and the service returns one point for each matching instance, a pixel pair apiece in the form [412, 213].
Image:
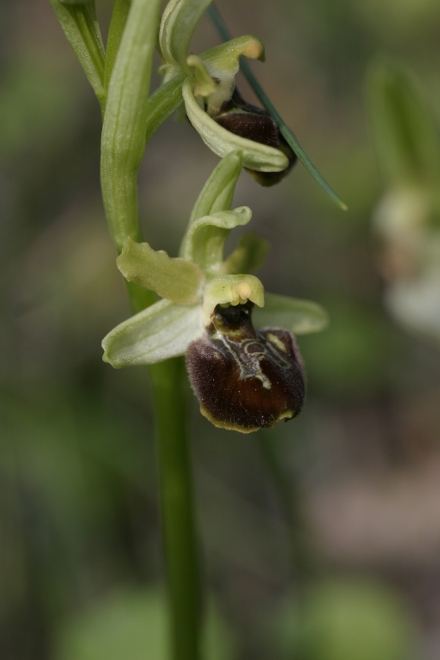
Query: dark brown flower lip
[253, 123]
[245, 379]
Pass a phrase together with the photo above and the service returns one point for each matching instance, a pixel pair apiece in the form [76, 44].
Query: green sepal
[177, 280]
[80, 25]
[256, 156]
[157, 333]
[249, 255]
[406, 137]
[225, 58]
[179, 20]
[165, 100]
[205, 239]
[299, 316]
[233, 290]
[218, 191]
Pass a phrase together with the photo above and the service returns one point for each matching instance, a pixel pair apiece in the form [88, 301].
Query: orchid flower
[214, 107]
[407, 217]
[245, 379]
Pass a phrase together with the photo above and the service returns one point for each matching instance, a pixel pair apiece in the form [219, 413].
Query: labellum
[245, 379]
[253, 123]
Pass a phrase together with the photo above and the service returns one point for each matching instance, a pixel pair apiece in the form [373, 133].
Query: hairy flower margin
[249, 379]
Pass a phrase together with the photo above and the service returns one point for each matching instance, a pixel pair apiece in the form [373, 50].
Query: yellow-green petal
[177, 280]
[205, 239]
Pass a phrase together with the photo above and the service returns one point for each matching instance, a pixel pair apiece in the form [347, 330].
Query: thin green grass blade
[284, 129]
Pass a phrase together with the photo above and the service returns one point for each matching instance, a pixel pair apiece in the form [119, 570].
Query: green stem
[168, 381]
[169, 384]
[179, 537]
[272, 111]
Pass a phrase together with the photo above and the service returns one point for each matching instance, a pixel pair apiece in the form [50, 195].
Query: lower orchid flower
[244, 378]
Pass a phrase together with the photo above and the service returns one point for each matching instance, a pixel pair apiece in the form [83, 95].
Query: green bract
[192, 285]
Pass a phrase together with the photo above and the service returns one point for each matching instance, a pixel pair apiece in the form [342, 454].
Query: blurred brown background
[79, 523]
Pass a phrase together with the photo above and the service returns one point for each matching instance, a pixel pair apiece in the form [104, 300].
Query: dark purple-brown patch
[245, 379]
[253, 123]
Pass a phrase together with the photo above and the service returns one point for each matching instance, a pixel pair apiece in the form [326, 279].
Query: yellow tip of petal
[244, 290]
[255, 51]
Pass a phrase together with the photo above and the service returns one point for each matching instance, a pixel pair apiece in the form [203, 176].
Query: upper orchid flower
[245, 379]
[214, 107]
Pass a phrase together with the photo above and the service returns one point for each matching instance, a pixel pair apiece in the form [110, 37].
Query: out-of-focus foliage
[133, 624]
[78, 498]
[344, 619]
[408, 217]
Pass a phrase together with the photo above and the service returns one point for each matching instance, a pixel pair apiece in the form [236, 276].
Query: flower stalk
[123, 145]
[178, 520]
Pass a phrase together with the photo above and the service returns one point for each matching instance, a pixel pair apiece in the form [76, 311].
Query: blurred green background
[81, 568]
